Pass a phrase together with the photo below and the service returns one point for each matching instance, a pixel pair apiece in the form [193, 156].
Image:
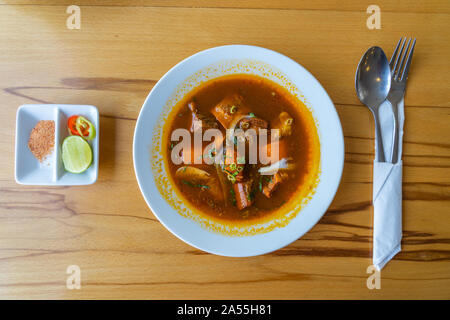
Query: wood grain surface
[120, 52]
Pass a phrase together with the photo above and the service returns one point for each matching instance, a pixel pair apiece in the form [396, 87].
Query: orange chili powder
[42, 139]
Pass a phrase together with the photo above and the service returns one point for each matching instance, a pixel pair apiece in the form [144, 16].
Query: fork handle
[395, 136]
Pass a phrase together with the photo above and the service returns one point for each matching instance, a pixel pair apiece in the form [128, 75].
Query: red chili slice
[71, 124]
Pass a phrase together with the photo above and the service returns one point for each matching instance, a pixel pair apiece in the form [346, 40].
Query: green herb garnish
[233, 195]
[188, 183]
[203, 186]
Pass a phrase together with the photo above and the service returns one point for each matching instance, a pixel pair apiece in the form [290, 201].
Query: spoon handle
[378, 137]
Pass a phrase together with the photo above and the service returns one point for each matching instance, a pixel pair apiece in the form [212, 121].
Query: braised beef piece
[273, 183]
[207, 121]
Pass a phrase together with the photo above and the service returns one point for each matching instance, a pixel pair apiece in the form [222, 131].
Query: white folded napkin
[387, 193]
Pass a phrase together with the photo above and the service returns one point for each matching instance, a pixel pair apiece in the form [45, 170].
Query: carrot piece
[232, 168]
[189, 155]
[284, 123]
[267, 152]
[244, 195]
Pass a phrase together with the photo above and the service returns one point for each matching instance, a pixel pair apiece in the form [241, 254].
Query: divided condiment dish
[28, 169]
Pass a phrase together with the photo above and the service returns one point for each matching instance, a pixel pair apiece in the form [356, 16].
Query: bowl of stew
[238, 150]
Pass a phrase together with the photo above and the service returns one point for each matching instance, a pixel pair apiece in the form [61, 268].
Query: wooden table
[121, 50]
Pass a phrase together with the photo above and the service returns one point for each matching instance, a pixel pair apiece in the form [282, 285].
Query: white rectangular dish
[28, 170]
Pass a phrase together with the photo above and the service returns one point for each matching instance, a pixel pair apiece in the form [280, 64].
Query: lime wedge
[76, 154]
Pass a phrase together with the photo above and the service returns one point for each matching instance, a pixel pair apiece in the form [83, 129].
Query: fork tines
[399, 70]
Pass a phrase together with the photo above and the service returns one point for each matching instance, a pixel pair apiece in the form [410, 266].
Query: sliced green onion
[245, 125]
[231, 178]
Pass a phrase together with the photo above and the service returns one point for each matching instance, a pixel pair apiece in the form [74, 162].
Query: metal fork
[399, 75]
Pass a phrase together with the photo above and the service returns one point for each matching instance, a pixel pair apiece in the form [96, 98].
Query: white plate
[28, 170]
[209, 64]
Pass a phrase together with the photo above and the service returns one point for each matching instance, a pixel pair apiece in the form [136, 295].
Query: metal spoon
[373, 82]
